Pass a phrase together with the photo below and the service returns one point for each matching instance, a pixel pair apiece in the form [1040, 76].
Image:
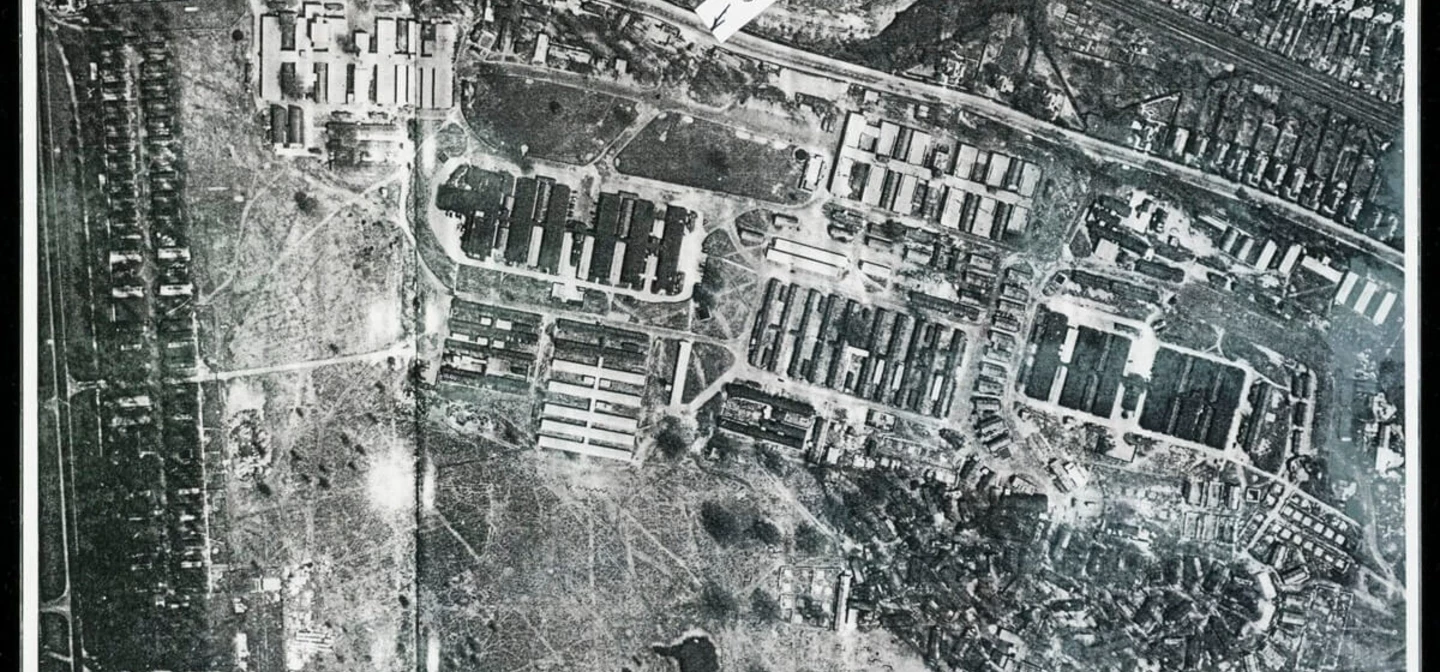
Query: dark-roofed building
[1160, 271]
[607, 228]
[522, 219]
[296, 132]
[478, 196]
[635, 231]
[668, 278]
[552, 237]
[623, 223]
[762, 416]
[279, 124]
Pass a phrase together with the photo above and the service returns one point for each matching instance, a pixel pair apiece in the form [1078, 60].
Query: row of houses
[1281, 157]
[1361, 292]
[912, 173]
[631, 243]
[314, 55]
[594, 390]
[769, 418]
[490, 346]
[898, 358]
[318, 75]
[157, 571]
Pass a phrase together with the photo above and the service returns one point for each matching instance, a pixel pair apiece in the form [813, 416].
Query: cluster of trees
[719, 605]
[729, 528]
[674, 439]
[306, 203]
[709, 287]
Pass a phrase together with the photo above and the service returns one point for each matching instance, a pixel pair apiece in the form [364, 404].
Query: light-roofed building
[316, 61]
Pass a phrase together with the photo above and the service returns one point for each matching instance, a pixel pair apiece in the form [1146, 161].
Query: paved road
[59, 211]
[1265, 64]
[807, 62]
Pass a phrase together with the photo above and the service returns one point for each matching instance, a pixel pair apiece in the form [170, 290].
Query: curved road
[751, 46]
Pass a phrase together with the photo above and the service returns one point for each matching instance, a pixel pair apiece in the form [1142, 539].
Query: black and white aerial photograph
[721, 336]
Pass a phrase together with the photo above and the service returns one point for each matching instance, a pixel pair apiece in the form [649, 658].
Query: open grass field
[286, 281]
[707, 363]
[51, 523]
[550, 121]
[706, 155]
[337, 286]
[334, 518]
[535, 559]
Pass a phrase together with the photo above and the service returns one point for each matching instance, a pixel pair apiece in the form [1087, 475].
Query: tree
[722, 446]
[722, 525]
[306, 203]
[672, 441]
[810, 609]
[894, 230]
[809, 539]
[290, 87]
[718, 161]
[623, 114]
[709, 287]
[716, 603]
[770, 459]
[765, 532]
[763, 606]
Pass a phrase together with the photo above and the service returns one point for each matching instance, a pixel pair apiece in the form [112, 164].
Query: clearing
[694, 153]
[549, 121]
[537, 559]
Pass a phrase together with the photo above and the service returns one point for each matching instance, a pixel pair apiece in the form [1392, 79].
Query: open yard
[492, 286]
[731, 306]
[670, 314]
[550, 121]
[706, 155]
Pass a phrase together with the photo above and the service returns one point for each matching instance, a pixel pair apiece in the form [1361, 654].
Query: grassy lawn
[553, 122]
[669, 315]
[52, 549]
[709, 156]
[707, 363]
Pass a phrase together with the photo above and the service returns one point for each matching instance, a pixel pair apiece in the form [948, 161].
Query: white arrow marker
[727, 17]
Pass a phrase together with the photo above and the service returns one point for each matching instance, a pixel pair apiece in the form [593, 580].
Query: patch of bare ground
[292, 263]
[321, 494]
[537, 558]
